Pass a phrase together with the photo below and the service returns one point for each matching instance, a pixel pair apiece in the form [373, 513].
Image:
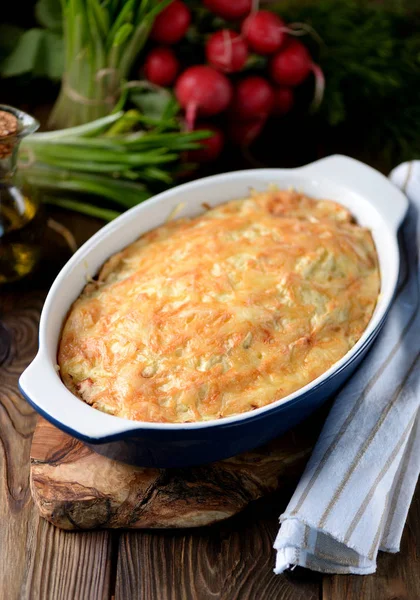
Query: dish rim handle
[387, 198]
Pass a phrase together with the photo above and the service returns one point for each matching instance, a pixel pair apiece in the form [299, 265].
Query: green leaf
[102, 17]
[154, 104]
[121, 192]
[24, 57]
[93, 128]
[48, 14]
[124, 16]
[50, 60]
[123, 34]
[37, 52]
[9, 37]
[83, 207]
[125, 124]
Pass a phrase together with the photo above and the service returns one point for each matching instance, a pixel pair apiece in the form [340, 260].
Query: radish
[292, 66]
[264, 32]
[212, 146]
[283, 100]
[161, 66]
[171, 24]
[201, 90]
[229, 9]
[243, 133]
[226, 51]
[253, 98]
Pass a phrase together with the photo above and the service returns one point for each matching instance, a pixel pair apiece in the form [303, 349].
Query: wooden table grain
[230, 561]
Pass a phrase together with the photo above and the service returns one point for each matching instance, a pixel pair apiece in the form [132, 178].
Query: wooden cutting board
[76, 488]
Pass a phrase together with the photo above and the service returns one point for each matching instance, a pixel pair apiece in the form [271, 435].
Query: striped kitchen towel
[354, 495]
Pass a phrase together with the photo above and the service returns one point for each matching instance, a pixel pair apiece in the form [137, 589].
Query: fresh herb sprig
[370, 56]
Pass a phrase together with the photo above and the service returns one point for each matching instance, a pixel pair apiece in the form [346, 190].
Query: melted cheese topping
[220, 314]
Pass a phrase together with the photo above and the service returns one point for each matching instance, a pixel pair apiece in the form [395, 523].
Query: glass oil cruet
[21, 221]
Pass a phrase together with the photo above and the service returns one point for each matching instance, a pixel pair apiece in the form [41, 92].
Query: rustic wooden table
[232, 560]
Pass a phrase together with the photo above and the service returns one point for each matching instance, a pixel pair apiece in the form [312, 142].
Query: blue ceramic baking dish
[374, 201]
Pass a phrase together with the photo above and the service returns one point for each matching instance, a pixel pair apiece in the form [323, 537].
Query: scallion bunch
[115, 159]
[102, 39]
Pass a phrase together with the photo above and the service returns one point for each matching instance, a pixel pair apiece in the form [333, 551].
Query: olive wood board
[75, 488]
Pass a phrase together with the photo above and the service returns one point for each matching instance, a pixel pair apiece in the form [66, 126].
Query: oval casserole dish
[370, 197]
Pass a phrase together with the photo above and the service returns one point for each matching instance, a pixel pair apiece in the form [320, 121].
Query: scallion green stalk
[102, 40]
[84, 208]
[109, 159]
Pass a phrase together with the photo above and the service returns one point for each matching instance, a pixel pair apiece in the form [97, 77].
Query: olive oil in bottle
[21, 219]
[21, 227]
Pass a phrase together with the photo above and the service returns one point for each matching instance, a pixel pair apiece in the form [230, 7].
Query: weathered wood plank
[37, 562]
[230, 561]
[398, 575]
[17, 422]
[65, 566]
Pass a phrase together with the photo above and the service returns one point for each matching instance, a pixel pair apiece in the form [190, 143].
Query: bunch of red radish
[206, 90]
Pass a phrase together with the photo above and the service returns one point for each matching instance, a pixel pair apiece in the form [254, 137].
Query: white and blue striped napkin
[354, 495]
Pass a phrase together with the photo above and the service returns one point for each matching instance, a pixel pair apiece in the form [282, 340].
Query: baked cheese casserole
[216, 315]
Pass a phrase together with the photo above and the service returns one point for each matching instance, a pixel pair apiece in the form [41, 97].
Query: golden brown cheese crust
[213, 316]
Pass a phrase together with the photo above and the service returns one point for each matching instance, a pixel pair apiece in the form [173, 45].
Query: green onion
[82, 207]
[120, 192]
[109, 159]
[102, 41]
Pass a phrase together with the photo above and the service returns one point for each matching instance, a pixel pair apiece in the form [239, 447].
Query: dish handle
[388, 199]
[42, 388]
